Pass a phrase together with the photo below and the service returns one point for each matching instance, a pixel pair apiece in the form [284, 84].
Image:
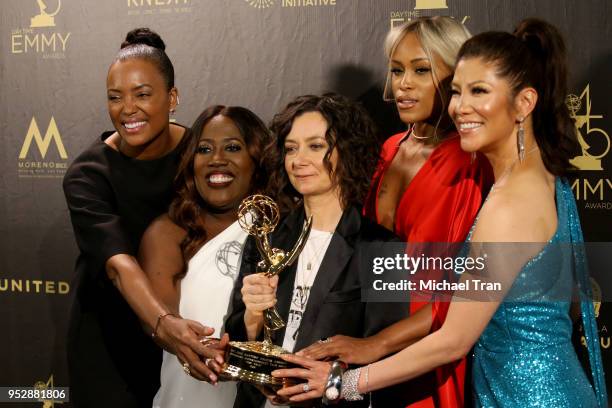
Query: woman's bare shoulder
[521, 212]
[164, 229]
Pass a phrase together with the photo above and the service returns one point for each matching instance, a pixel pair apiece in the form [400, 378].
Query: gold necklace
[413, 134]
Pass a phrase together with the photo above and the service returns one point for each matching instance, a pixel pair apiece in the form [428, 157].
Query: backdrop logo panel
[264, 4]
[34, 151]
[157, 7]
[399, 17]
[34, 286]
[307, 3]
[595, 191]
[39, 37]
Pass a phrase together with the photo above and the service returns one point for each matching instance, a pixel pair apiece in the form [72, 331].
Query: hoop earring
[520, 141]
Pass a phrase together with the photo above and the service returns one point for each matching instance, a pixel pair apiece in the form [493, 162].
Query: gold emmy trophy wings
[253, 361]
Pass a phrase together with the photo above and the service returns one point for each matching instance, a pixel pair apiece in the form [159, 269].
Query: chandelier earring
[520, 140]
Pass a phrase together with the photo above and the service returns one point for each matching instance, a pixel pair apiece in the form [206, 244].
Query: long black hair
[535, 55]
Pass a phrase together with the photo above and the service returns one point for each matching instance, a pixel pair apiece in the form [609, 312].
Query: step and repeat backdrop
[54, 56]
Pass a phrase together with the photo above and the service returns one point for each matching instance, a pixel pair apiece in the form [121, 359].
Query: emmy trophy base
[253, 361]
[586, 163]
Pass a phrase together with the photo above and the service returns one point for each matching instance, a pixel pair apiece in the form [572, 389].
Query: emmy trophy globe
[253, 361]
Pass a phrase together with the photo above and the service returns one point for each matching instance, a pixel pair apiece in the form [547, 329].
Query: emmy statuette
[253, 361]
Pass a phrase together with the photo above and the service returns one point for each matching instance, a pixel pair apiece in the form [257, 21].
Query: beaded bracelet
[159, 318]
[350, 382]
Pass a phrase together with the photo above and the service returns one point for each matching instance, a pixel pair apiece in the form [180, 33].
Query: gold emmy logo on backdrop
[34, 134]
[47, 385]
[253, 361]
[586, 161]
[45, 19]
[430, 4]
[260, 3]
[604, 339]
[596, 289]
[50, 44]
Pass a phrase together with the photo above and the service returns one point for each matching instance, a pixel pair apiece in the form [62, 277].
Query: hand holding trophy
[253, 361]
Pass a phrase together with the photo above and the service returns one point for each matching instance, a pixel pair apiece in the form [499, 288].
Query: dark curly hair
[186, 209]
[534, 56]
[350, 131]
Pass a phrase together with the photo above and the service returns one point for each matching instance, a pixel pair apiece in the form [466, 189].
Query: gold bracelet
[159, 318]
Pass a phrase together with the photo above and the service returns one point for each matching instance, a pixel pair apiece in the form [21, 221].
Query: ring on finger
[306, 387]
[208, 360]
[207, 341]
[186, 368]
[325, 340]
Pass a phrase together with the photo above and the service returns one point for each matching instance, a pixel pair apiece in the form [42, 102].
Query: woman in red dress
[426, 190]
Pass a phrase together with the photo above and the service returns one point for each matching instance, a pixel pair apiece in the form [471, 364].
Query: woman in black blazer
[323, 158]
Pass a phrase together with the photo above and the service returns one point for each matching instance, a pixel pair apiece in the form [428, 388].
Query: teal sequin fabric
[525, 357]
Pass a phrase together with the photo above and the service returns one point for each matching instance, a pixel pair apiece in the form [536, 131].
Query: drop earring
[520, 141]
[173, 110]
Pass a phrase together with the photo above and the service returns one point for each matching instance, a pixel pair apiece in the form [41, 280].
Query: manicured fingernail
[213, 377]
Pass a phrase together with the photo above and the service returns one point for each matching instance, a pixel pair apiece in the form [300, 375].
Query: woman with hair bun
[114, 189]
[508, 103]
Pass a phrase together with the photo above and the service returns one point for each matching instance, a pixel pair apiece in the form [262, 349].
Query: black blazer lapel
[333, 265]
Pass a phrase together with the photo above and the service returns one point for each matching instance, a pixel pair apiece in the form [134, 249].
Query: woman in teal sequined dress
[508, 103]
[525, 356]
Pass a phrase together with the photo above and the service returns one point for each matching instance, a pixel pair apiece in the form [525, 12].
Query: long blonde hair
[439, 35]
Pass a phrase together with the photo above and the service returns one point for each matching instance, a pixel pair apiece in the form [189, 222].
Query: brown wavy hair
[350, 131]
[186, 209]
[535, 56]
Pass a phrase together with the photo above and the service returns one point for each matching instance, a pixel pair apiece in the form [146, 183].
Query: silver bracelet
[350, 382]
[334, 383]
